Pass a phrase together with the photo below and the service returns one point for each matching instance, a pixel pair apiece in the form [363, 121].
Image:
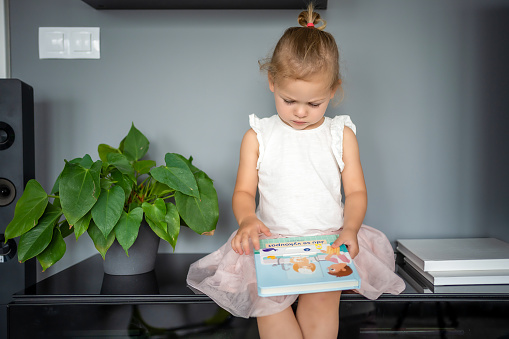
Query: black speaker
[17, 166]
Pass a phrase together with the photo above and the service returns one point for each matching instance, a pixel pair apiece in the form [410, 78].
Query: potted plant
[109, 198]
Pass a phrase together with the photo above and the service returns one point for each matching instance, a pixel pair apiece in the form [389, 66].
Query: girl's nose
[300, 112]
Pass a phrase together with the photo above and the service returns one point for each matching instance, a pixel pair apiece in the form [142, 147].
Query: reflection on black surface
[422, 319]
[140, 326]
[129, 321]
[83, 302]
[144, 284]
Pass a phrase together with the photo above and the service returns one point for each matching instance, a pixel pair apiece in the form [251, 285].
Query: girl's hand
[348, 237]
[249, 228]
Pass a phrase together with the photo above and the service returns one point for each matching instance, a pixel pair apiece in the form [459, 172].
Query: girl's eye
[288, 102]
[314, 105]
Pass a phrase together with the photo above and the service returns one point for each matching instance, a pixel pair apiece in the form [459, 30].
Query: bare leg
[279, 325]
[318, 314]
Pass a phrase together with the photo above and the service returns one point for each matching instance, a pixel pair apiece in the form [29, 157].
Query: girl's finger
[337, 243]
[236, 244]
[245, 244]
[265, 230]
[256, 242]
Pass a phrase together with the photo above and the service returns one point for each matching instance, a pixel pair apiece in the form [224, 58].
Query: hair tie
[311, 24]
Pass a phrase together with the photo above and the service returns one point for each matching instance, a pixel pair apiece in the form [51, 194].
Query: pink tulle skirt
[230, 279]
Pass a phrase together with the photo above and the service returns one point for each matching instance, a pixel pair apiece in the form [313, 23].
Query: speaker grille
[7, 192]
[6, 136]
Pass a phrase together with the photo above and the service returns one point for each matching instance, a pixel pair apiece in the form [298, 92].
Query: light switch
[54, 41]
[81, 41]
[69, 43]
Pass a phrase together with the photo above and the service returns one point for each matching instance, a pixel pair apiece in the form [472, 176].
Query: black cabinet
[83, 302]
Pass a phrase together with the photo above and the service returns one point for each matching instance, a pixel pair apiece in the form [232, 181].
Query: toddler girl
[297, 160]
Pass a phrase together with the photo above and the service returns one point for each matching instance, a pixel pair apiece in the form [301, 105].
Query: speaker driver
[7, 192]
[6, 135]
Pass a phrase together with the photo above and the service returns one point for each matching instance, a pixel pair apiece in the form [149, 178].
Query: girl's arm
[356, 198]
[244, 195]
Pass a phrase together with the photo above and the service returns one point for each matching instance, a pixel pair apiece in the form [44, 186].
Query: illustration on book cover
[300, 262]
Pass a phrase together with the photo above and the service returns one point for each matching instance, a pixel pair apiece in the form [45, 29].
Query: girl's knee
[320, 300]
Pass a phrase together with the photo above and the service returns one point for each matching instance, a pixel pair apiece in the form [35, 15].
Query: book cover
[470, 277]
[456, 254]
[422, 285]
[300, 265]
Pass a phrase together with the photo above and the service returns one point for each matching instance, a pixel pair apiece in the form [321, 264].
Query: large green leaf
[143, 166]
[120, 162]
[108, 209]
[160, 232]
[200, 215]
[122, 181]
[172, 218]
[86, 162]
[81, 226]
[189, 163]
[135, 144]
[156, 213]
[106, 183]
[126, 230]
[54, 252]
[101, 244]
[159, 189]
[104, 150]
[28, 210]
[177, 175]
[79, 190]
[65, 229]
[38, 238]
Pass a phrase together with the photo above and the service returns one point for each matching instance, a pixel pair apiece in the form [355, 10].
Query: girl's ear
[335, 88]
[271, 82]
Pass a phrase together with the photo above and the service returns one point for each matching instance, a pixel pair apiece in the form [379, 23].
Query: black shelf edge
[203, 4]
[204, 299]
[114, 299]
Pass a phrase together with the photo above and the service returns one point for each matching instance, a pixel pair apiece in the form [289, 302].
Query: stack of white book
[465, 265]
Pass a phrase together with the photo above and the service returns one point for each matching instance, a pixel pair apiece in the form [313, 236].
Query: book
[422, 285]
[456, 254]
[411, 281]
[470, 277]
[298, 265]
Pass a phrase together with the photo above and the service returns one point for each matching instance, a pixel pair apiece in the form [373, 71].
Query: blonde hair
[305, 51]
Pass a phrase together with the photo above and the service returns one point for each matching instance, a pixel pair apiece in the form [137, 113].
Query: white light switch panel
[69, 43]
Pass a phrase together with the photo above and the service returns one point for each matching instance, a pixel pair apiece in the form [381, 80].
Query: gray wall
[425, 82]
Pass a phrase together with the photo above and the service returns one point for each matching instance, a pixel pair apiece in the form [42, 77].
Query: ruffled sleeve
[256, 125]
[338, 124]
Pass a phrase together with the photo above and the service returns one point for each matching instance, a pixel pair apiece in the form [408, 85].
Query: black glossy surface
[86, 282]
[83, 302]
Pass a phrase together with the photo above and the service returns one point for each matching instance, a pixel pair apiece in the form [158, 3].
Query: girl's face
[301, 104]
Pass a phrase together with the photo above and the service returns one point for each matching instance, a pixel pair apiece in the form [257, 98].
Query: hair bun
[309, 16]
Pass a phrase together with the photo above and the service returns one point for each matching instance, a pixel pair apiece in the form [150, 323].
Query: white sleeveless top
[299, 175]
